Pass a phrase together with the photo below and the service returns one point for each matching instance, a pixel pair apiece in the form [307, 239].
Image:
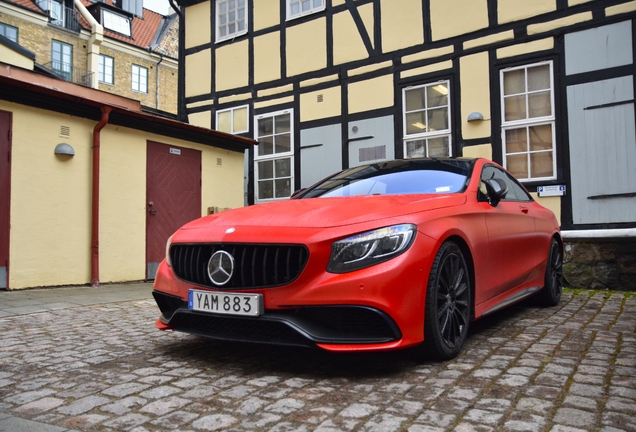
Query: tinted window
[423, 176]
[516, 192]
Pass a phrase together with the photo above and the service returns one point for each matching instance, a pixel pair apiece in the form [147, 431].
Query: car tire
[448, 304]
[550, 295]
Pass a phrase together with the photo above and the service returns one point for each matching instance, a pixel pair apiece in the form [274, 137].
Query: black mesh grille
[301, 326]
[255, 266]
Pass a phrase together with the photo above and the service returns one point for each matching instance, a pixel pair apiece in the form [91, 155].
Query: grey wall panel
[599, 48]
[373, 140]
[320, 153]
[602, 151]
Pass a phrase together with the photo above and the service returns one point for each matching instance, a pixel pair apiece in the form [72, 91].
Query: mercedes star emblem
[220, 268]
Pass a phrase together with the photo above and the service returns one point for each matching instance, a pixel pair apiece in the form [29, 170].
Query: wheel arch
[468, 256]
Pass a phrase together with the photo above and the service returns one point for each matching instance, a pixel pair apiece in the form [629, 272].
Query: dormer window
[116, 23]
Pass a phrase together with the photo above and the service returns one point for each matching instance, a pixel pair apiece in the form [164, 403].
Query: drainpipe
[94, 42]
[95, 197]
[181, 107]
[156, 75]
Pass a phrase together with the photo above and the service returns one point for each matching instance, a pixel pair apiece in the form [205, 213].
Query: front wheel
[553, 282]
[448, 304]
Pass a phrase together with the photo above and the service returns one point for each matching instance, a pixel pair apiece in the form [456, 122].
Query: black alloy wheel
[448, 304]
[550, 295]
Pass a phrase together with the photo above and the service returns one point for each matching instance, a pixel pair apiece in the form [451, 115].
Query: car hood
[327, 212]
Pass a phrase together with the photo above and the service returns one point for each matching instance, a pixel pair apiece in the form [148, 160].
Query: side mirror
[497, 190]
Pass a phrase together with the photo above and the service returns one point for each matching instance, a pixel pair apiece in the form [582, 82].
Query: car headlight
[370, 248]
[168, 244]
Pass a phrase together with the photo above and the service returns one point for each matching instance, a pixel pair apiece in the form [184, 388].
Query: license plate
[226, 303]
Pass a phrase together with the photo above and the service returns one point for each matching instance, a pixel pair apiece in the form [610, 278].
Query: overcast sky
[159, 6]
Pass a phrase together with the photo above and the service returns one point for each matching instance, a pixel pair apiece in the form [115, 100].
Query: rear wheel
[551, 292]
[448, 300]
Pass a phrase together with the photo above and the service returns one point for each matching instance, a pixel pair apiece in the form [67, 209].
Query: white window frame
[116, 23]
[232, 111]
[283, 155]
[139, 81]
[427, 135]
[218, 21]
[312, 9]
[102, 68]
[6, 28]
[529, 122]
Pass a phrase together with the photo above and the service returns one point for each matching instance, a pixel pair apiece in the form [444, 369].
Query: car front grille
[255, 265]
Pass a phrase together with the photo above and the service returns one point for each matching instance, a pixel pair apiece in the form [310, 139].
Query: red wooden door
[173, 196]
[5, 195]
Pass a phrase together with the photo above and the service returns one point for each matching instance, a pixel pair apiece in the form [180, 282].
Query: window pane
[514, 82]
[282, 124]
[224, 121]
[541, 164]
[266, 189]
[415, 149]
[541, 137]
[437, 96]
[516, 140]
[518, 165]
[283, 143]
[539, 104]
[283, 188]
[240, 120]
[416, 122]
[415, 99]
[437, 119]
[539, 78]
[266, 146]
[265, 170]
[282, 167]
[265, 126]
[515, 108]
[318, 3]
[438, 147]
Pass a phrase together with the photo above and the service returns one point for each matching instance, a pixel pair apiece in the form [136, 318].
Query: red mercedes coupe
[382, 256]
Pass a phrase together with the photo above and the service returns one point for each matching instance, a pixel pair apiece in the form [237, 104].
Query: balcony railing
[72, 74]
[60, 15]
[65, 17]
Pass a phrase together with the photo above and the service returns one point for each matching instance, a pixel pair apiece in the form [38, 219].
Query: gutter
[95, 197]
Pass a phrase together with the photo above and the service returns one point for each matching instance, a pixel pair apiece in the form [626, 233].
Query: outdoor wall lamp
[64, 149]
[475, 116]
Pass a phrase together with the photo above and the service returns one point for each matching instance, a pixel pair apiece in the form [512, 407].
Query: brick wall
[37, 38]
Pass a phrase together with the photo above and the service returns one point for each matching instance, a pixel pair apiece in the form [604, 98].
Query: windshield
[413, 176]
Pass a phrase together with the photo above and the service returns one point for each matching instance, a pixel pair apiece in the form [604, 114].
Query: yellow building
[543, 87]
[91, 186]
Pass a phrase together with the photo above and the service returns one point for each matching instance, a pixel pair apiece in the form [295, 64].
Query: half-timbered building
[546, 88]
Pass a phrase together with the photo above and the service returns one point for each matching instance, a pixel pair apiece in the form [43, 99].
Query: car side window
[516, 192]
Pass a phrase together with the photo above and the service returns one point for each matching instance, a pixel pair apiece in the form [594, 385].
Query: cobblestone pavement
[106, 367]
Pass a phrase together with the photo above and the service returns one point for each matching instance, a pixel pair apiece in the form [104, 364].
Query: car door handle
[523, 209]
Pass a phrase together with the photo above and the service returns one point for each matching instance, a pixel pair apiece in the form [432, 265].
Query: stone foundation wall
[600, 264]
